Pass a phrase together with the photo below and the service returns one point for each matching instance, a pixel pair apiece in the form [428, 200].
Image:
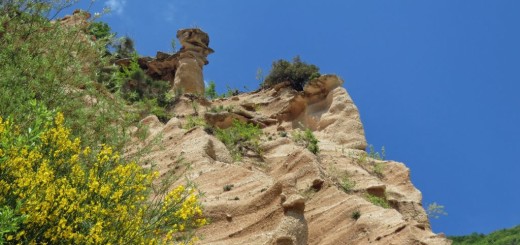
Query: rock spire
[182, 69]
[191, 60]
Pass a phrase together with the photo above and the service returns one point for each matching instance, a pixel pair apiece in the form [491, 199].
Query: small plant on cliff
[435, 210]
[194, 121]
[356, 215]
[376, 155]
[240, 138]
[297, 73]
[228, 187]
[347, 184]
[307, 139]
[260, 75]
[221, 108]
[211, 91]
[376, 160]
[379, 201]
[379, 169]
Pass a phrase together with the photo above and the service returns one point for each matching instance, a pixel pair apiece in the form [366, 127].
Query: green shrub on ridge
[297, 72]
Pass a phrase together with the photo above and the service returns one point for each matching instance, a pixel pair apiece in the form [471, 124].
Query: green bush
[69, 194]
[240, 138]
[298, 73]
[148, 95]
[10, 221]
[135, 85]
[57, 66]
[307, 139]
[124, 47]
[211, 91]
[100, 30]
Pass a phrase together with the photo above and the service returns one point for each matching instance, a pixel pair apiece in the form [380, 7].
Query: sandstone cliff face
[288, 195]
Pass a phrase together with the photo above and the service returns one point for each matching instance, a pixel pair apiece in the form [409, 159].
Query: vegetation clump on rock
[297, 73]
[379, 201]
[147, 94]
[307, 139]
[240, 138]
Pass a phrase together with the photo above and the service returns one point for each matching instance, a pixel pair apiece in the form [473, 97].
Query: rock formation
[289, 195]
[192, 57]
[79, 18]
[183, 69]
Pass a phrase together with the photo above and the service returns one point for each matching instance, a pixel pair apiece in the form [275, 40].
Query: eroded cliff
[286, 194]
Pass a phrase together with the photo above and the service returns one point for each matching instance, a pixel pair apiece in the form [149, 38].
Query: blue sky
[436, 82]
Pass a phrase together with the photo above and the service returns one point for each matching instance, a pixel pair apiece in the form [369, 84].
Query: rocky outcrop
[192, 57]
[325, 107]
[184, 69]
[289, 195]
[79, 18]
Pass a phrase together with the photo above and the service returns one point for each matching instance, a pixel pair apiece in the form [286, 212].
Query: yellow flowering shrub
[74, 195]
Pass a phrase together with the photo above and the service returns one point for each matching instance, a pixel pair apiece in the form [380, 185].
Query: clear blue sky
[437, 82]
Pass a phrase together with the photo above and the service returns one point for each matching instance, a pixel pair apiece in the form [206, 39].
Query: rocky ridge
[286, 194]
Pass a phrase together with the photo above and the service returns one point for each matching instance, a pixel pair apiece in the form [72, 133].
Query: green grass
[240, 138]
[194, 121]
[379, 201]
[346, 184]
